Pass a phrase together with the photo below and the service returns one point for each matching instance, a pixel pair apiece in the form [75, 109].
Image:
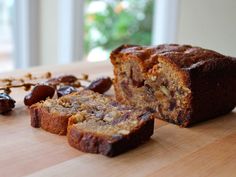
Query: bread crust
[94, 143]
[210, 76]
[53, 123]
[213, 85]
[184, 56]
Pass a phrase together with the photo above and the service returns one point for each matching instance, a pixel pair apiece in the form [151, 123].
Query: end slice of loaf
[52, 114]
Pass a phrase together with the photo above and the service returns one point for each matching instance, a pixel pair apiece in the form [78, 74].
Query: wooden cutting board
[207, 149]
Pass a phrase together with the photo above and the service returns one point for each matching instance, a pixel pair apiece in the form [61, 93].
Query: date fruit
[100, 85]
[62, 79]
[6, 103]
[39, 92]
[65, 90]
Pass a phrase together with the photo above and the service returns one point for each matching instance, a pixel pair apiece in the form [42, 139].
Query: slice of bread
[52, 114]
[107, 127]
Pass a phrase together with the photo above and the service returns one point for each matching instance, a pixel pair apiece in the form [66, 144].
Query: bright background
[49, 32]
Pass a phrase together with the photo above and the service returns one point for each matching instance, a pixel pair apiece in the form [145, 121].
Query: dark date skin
[65, 90]
[39, 92]
[6, 103]
[100, 85]
[62, 79]
[125, 88]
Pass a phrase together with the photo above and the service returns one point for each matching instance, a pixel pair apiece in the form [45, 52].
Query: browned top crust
[184, 56]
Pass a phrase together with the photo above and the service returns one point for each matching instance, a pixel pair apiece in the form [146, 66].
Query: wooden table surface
[207, 149]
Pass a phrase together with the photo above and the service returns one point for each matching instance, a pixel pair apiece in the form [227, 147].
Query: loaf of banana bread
[104, 126]
[183, 84]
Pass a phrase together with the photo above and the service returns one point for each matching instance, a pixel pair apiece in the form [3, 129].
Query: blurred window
[6, 38]
[107, 25]
[110, 23]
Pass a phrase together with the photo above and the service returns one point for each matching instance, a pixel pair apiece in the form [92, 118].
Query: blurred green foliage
[118, 22]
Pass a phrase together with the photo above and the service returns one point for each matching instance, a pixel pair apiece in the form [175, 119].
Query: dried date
[100, 85]
[125, 88]
[62, 79]
[172, 105]
[6, 103]
[136, 81]
[65, 90]
[39, 92]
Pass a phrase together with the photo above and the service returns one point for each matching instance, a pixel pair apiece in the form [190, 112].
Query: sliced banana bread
[97, 123]
[107, 127]
[184, 84]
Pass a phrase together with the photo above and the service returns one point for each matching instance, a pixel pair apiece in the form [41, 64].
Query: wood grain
[207, 149]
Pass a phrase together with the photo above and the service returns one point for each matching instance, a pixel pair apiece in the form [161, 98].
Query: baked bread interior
[107, 127]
